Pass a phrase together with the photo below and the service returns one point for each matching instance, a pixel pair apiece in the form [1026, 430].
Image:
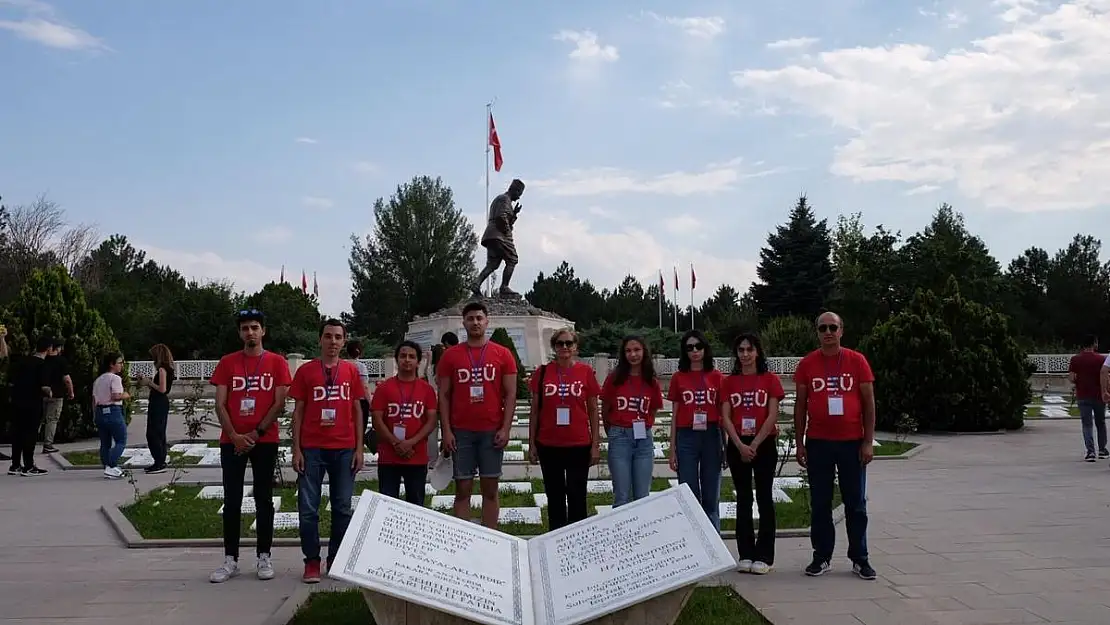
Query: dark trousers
[156, 421]
[414, 476]
[262, 458]
[25, 429]
[839, 459]
[565, 472]
[762, 468]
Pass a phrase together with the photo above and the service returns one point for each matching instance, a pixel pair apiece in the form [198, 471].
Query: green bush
[789, 336]
[52, 304]
[501, 337]
[950, 364]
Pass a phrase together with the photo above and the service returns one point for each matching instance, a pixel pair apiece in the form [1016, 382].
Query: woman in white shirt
[108, 396]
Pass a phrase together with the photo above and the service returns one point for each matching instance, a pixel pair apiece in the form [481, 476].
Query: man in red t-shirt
[251, 385]
[1085, 372]
[477, 398]
[327, 440]
[404, 411]
[834, 428]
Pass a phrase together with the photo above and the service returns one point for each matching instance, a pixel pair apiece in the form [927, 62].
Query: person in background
[3, 356]
[477, 399]
[696, 437]
[108, 397]
[630, 399]
[564, 429]
[30, 384]
[404, 411]
[1085, 372]
[834, 429]
[158, 406]
[327, 441]
[61, 388]
[447, 341]
[354, 352]
[749, 411]
[251, 385]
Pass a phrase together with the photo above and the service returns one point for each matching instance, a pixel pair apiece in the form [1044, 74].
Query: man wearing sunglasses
[251, 385]
[834, 426]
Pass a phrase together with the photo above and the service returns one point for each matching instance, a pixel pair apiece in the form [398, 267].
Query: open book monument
[636, 564]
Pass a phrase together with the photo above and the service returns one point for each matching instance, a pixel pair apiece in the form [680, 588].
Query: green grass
[91, 458]
[175, 512]
[707, 606]
[893, 448]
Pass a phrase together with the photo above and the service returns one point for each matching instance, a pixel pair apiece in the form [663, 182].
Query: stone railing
[382, 368]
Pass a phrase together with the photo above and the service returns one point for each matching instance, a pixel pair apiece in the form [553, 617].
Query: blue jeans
[630, 464]
[699, 454]
[336, 464]
[1092, 414]
[112, 428]
[841, 458]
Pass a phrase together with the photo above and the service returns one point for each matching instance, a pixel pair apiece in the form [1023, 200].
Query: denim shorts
[475, 455]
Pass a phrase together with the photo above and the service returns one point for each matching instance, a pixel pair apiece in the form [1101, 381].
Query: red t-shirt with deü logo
[335, 388]
[254, 379]
[749, 397]
[408, 405]
[695, 391]
[477, 378]
[834, 376]
[632, 400]
[570, 389]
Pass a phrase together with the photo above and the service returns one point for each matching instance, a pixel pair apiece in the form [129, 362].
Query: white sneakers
[264, 569]
[113, 473]
[744, 567]
[756, 568]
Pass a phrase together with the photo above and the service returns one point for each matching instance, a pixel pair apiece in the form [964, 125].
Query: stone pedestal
[662, 610]
[529, 327]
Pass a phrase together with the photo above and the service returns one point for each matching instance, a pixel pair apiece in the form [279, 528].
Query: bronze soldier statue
[498, 239]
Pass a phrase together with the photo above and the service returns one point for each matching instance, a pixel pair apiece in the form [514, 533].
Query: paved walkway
[976, 529]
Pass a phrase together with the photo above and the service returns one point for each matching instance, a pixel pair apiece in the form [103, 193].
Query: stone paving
[975, 529]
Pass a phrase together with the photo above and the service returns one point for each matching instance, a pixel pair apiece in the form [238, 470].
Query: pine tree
[796, 275]
[502, 338]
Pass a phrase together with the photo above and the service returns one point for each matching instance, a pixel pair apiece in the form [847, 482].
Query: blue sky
[229, 138]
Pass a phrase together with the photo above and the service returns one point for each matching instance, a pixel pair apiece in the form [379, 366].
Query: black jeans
[414, 476]
[565, 472]
[762, 467]
[156, 422]
[25, 429]
[837, 462]
[262, 457]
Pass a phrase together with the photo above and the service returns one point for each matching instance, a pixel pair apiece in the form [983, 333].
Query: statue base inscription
[635, 565]
[661, 610]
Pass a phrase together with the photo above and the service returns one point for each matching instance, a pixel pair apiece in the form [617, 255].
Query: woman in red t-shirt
[563, 429]
[404, 412]
[696, 437]
[750, 405]
[630, 399]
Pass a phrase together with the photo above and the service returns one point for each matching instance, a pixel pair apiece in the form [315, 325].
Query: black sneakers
[818, 568]
[1103, 454]
[863, 570]
[33, 472]
[13, 470]
[1090, 457]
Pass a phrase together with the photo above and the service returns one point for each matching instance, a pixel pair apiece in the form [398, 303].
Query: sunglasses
[250, 312]
[564, 343]
[695, 347]
[828, 327]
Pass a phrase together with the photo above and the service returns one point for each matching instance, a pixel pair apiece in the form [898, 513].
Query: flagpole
[660, 298]
[675, 271]
[489, 114]
[692, 296]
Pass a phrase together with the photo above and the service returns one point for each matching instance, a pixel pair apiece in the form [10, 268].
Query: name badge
[639, 429]
[836, 406]
[246, 406]
[105, 410]
[327, 417]
[399, 432]
[747, 426]
[701, 420]
[562, 415]
[477, 393]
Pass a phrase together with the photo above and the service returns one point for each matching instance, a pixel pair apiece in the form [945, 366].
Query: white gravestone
[250, 507]
[640, 551]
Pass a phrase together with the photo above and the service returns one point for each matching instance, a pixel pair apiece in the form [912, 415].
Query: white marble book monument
[637, 564]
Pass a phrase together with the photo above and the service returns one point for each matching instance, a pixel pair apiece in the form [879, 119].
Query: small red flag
[283, 274]
[304, 283]
[662, 285]
[495, 142]
[676, 279]
[693, 277]
[315, 285]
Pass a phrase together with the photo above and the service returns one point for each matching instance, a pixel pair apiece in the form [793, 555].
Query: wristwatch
[260, 431]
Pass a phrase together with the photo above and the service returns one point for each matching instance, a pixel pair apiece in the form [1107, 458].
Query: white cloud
[794, 43]
[716, 177]
[699, 27]
[249, 276]
[321, 203]
[680, 95]
[306, 140]
[41, 25]
[1012, 119]
[586, 46]
[955, 18]
[923, 189]
[276, 234]
[684, 225]
[364, 167]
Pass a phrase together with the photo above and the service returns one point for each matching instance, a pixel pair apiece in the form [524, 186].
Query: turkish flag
[495, 142]
[693, 278]
[304, 283]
